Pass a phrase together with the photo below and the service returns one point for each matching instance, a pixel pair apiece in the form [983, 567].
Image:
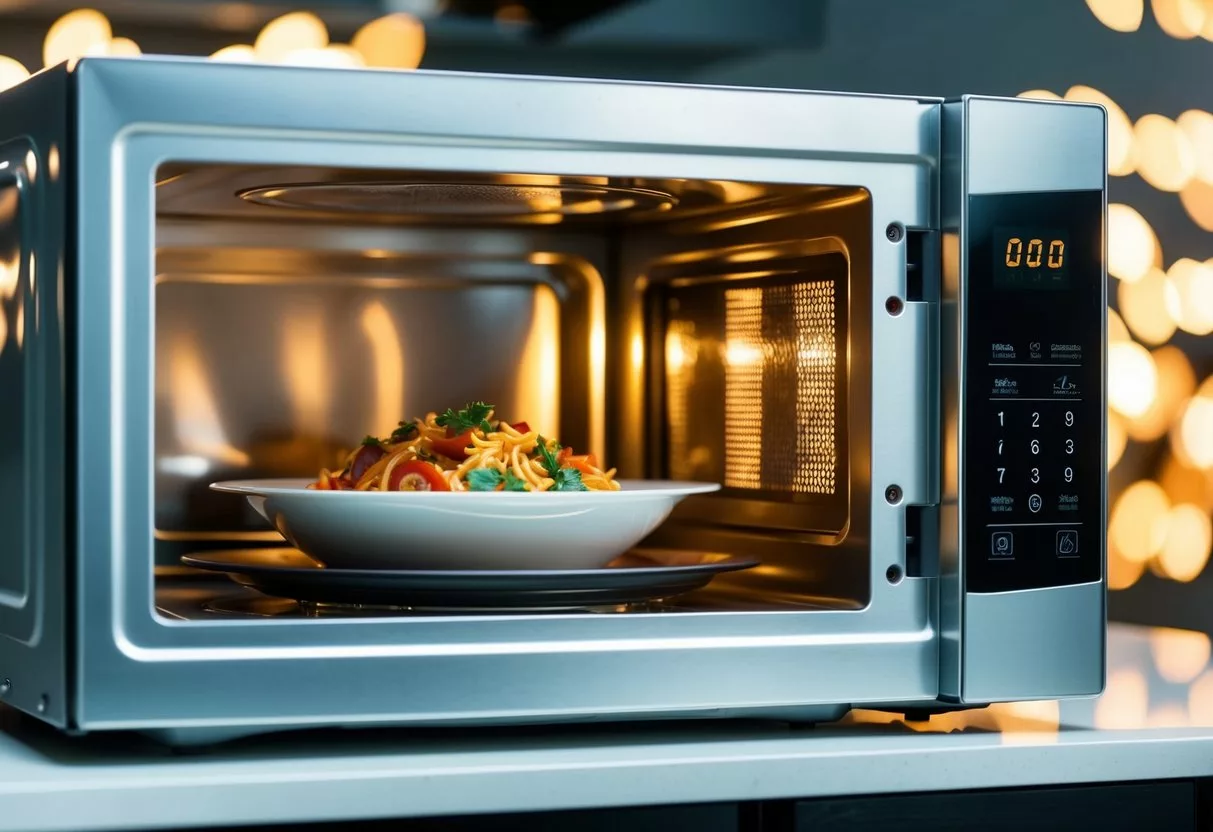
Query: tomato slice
[453, 446]
[585, 463]
[416, 475]
[521, 427]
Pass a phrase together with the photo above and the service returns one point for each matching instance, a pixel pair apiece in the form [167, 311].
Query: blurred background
[1141, 59]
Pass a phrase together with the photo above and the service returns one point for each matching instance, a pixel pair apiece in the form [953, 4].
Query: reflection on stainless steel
[541, 351]
[388, 376]
[197, 422]
[305, 361]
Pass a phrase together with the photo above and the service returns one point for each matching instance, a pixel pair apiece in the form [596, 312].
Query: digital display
[1027, 257]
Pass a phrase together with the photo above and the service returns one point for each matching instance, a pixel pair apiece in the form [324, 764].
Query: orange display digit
[1014, 252]
[1057, 254]
[1036, 250]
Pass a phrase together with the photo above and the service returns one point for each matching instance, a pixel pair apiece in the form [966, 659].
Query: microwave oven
[213, 271]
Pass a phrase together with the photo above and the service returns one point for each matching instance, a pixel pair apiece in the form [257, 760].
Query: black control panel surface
[1033, 446]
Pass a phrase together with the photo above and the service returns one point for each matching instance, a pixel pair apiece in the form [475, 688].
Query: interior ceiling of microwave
[309, 193]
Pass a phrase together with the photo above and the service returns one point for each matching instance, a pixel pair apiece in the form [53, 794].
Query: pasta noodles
[465, 450]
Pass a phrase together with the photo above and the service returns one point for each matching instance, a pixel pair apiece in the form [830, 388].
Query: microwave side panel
[1023, 610]
[34, 167]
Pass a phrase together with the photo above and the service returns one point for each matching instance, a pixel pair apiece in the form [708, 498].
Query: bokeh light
[1042, 95]
[1117, 331]
[1132, 379]
[236, 53]
[1186, 484]
[1120, 130]
[1125, 701]
[1200, 700]
[1164, 154]
[1132, 244]
[76, 34]
[1122, 572]
[12, 72]
[1192, 436]
[1183, 19]
[1176, 383]
[1139, 519]
[1118, 438]
[288, 33]
[1189, 295]
[123, 48]
[1197, 125]
[1118, 15]
[1179, 655]
[1186, 550]
[394, 41]
[1197, 199]
[1144, 308]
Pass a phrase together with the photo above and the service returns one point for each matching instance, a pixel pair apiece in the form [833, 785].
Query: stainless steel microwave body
[213, 269]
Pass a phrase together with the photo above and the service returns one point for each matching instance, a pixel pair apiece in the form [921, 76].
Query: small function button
[1067, 543]
[1002, 544]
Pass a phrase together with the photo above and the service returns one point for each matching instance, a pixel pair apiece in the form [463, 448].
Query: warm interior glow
[1132, 379]
[388, 359]
[1164, 154]
[236, 53]
[541, 355]
[1138, 523]
[1179, 655]
[1143, 306]
[12, 72]
[1186, 551]
[1176, 383]
[1192, 438]
[1118, 438]
[1125, 700]
[1120, 130]
[1183, 19]
[1132, 244]
[285, 34]
[10, 272]
[1197, 199]
[1118, 15]
[1188, 293]
[394, 41]
[74, 35]
[304, 357]
[1043, 95]
[196, 417]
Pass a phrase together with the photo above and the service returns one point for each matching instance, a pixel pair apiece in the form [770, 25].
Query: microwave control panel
[1033, 452]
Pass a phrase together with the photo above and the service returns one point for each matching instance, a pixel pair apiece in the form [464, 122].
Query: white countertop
[1154, 722]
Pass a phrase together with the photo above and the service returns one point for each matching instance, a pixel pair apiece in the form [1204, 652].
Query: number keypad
[1034, 444]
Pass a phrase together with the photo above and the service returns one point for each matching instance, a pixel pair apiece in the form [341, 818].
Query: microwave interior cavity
[678, 328]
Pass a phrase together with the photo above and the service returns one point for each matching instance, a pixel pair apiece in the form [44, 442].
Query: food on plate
[466, 450]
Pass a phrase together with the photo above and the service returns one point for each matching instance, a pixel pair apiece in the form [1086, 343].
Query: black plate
[288, 573]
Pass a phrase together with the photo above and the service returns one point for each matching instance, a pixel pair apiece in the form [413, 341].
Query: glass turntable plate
[288, 573]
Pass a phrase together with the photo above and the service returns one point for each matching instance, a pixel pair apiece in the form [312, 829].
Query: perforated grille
[753, 385]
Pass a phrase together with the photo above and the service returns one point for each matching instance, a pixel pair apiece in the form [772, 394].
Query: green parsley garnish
[475, 415]
[568, 479]
[488, 479]
[404, 432]
[548, 457]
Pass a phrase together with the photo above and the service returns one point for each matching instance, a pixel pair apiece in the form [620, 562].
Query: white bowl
[464, 530]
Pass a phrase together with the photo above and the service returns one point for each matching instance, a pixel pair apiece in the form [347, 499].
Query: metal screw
[894, 306]
[893, 573]
[894, 232]
[44, 702]
[892, 495]
[6, 687]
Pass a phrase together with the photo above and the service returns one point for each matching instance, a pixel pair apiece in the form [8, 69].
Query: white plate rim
[637, 489]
